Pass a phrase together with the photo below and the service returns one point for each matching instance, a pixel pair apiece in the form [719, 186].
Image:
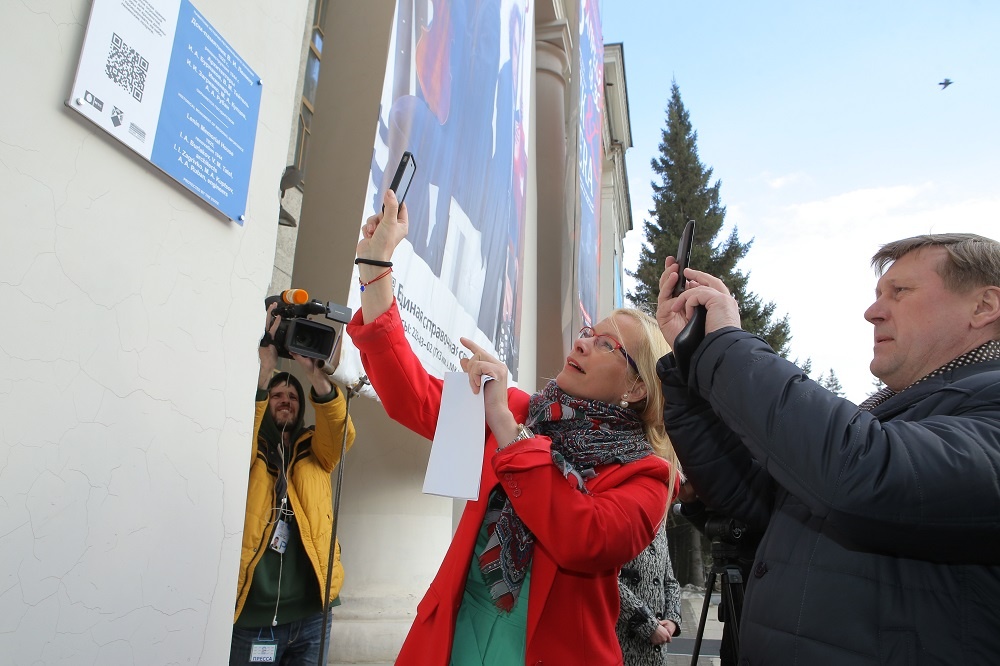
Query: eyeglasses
[607, 344]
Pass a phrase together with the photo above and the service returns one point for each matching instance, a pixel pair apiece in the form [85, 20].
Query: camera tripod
[724, 558]
[351, 391]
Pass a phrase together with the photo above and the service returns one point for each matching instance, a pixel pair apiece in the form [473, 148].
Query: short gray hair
[973, 261]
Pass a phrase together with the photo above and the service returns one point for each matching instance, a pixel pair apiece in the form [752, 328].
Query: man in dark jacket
[882, 541]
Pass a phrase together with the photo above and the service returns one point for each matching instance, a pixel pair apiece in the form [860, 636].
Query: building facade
[129, 365]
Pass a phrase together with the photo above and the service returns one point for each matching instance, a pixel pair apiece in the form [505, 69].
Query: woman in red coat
[574, 483]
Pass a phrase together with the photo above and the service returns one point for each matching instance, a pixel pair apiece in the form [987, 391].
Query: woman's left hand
[499, 418]
[663, 633]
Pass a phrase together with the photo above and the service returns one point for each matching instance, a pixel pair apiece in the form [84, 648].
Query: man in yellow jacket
[286, 536]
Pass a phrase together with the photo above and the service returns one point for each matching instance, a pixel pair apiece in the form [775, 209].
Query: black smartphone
[403, 176]
[684, 256]
[694, 331]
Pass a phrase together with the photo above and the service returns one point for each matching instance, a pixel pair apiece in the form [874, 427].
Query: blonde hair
[651, 348]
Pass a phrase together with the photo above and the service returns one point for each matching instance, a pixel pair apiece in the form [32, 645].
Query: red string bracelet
[374, 279]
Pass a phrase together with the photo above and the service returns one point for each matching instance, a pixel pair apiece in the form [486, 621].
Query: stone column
[555, 217]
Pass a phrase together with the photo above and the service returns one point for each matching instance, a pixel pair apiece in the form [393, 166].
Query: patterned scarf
[584, 434]
[985, 352]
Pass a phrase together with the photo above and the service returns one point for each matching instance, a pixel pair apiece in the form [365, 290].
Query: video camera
[297, 333]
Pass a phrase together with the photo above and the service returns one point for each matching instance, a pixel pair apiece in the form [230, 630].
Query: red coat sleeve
[410, 395]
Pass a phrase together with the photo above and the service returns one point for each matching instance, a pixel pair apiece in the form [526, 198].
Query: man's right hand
[673, 314]
[671, 323]
[269, 354]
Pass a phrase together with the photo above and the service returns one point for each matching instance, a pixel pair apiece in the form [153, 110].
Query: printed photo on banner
[591, 99]
[456, 95]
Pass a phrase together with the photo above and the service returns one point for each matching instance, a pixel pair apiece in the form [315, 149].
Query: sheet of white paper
[456, 461]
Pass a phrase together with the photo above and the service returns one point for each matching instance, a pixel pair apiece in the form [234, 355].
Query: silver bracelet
[523, 432]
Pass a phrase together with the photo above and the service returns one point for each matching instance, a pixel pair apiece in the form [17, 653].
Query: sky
[830, 135]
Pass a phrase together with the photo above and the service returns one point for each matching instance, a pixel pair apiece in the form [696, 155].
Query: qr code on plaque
[127, 67]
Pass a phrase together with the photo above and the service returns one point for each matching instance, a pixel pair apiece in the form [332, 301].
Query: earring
[624, 402]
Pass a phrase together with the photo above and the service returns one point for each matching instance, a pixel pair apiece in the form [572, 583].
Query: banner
[456, 95]
[591, 158]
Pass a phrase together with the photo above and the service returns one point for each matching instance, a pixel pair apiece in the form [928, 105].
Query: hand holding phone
[403, 177]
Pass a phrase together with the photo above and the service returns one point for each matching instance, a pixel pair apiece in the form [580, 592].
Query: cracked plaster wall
[127, 359]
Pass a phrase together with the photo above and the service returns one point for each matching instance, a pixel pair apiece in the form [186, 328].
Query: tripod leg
[704, 616]
[732, 599]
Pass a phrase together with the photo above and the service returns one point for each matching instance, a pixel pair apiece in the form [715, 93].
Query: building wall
[616, 204]
[127, 359]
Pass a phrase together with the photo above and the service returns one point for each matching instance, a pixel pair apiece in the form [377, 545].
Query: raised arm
[381, 234]
[331, 422]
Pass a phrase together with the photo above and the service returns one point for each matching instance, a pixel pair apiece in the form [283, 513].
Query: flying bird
[944, 84]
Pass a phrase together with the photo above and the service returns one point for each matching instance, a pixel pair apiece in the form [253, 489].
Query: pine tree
[684, 193]
[832, 383]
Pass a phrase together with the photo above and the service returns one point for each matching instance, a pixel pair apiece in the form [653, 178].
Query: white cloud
[780, 182]
[812, 260]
